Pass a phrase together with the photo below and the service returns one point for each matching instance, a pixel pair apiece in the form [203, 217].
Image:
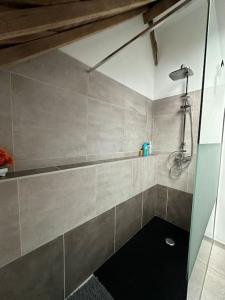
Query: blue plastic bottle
[145, 149]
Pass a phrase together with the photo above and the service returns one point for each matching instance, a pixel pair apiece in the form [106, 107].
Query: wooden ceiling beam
[158, 9]
[34, 20]
[33, 48]
[38, 2]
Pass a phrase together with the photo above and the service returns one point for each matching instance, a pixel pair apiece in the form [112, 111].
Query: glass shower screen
[209, 148]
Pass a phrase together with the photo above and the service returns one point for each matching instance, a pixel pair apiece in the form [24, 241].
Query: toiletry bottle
[145, 149]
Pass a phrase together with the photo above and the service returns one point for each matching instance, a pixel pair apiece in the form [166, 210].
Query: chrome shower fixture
[181, 73]
[179, 160]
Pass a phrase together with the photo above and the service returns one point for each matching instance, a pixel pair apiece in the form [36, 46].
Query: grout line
[64, 267]
[20, 230]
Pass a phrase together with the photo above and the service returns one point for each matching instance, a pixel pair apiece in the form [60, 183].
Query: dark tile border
[19, 174]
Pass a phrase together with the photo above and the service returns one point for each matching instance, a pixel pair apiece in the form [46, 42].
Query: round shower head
[182, 73]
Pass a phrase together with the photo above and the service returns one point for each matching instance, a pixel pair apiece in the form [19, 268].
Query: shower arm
[150, 28]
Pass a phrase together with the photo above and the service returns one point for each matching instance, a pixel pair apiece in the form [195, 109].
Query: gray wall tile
[150, 116]
[149, 171]
[137, 176]
[191, 175]
[48, 123]
[149, 203]
[135, 131]
[162, 200]
[9, 222]
[163, 177]
[54, 203]
[144, 173]
[179, 208]
[154, 203]
[170, 105]
[136, 103]
[167, 132]
[5, 112]
[114, 184]
[55, 68]
[106, 89]
[128, 220]
[105, 128]
[37, 275]
[87, 248]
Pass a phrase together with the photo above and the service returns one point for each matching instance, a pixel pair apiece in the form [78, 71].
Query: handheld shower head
[182, 73]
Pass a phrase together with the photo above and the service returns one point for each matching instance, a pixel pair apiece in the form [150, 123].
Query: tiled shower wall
[53, 112]
[167, 128]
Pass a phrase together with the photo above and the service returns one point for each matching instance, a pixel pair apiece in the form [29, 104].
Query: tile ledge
[33, 172]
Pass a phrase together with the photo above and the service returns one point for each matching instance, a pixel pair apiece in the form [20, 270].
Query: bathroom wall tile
[179, 208]
[28, 165]
[9, 222]
[136, 103]
[5, 112]
[170, 105]
[135, 131]
[105, 128]
[161, 203]
[191, 175]
[55, 68]
[195, 128]
[154, 203]
[137, 176]
[164, 178]
[149, 120]
[37, 275]
[149, 203]
[106, 89]
[197, 101]
[128, 220]
[103, 156]
[167, 130]
[114, 184]
[87, 248]
[52, 125]
[53, 203]
[149, 172]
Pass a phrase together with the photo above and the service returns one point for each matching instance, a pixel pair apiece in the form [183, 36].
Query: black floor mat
[147, 268]
[91, 290]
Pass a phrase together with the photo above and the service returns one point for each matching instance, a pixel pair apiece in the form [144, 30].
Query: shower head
[182, 73]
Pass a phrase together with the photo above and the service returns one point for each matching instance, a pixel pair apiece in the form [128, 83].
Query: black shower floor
[147, 268]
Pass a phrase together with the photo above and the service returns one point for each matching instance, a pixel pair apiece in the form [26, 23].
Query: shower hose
[178, 160]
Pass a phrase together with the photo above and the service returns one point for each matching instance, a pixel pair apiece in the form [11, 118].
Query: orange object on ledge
[5, 158]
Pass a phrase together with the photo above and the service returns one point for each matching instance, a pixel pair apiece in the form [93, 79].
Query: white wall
[181, 40]
[133, 66]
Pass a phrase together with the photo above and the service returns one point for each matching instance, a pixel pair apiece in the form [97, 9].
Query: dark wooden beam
[34, 20]
[26, 38]
[154, 47]
[158, 9]
[33, 48]
[38, 2]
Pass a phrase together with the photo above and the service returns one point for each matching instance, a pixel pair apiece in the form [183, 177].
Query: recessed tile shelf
[24, 173]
